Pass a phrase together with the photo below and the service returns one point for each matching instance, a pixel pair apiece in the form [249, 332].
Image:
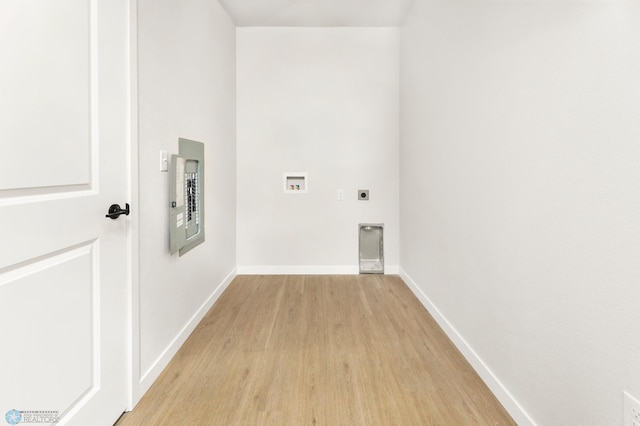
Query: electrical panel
[186, 216]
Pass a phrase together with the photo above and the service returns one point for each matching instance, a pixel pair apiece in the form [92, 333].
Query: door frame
[133, 231]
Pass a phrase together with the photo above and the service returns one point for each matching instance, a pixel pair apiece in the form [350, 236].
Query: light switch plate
[164, 161]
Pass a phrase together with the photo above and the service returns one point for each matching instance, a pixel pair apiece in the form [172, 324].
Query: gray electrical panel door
[177, 233]
[186, 228]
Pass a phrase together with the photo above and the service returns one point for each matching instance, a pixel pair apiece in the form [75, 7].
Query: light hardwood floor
[318, 350]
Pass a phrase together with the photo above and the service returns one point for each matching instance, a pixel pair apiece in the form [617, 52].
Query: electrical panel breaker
[187, 197]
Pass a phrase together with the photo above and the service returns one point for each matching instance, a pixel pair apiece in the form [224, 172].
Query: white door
[63, 264]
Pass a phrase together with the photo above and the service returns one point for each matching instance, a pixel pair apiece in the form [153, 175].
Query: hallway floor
[318, 350]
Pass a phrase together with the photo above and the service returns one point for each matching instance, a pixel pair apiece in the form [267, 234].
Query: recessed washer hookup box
[371, 248]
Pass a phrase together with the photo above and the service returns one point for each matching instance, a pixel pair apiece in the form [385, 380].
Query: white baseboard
[499, 390]
[307, 270]
[154, 371]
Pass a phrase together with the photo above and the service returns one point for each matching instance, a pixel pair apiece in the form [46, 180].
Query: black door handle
[115, 211]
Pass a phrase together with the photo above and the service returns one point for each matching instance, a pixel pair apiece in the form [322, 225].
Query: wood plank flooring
[318, 350]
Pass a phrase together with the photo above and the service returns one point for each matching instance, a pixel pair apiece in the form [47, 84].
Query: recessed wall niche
[295, 183]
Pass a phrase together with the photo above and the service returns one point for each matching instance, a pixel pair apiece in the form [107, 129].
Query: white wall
[520, 200]
[322, 101]
[186, 89]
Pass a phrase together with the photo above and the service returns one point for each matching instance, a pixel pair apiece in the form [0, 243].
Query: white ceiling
[317, 13]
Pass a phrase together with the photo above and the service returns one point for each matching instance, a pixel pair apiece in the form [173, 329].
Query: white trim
[307, 270]
[133, 228]
[163, 360]
[512, 406]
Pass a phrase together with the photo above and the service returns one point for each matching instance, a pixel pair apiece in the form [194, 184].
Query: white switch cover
[164, 161]
[340, 194]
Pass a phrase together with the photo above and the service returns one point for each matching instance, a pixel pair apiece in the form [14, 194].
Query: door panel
[63, 264]
[47, 93]
[65, 333]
